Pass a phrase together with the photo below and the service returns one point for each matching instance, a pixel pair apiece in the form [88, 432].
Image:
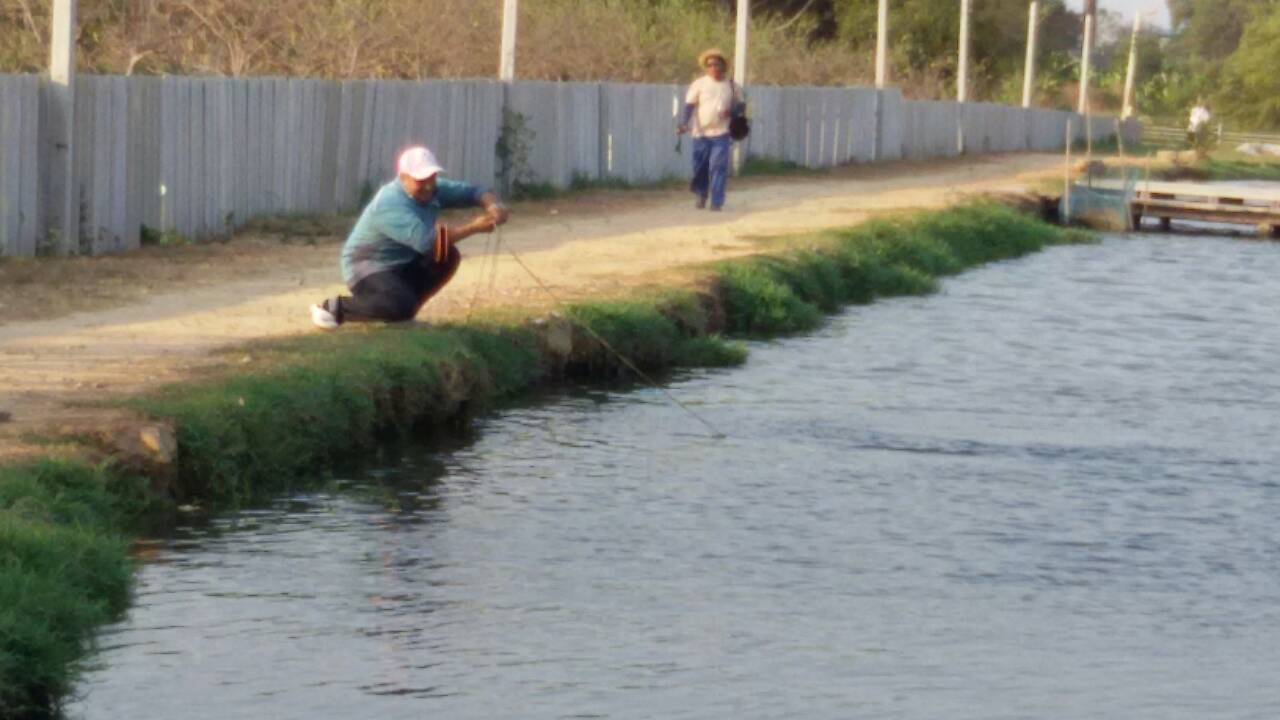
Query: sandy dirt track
[599, 243]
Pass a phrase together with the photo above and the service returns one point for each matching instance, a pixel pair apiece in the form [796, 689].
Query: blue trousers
[711, 168]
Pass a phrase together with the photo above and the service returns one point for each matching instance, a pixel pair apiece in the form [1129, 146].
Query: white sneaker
[322, 318]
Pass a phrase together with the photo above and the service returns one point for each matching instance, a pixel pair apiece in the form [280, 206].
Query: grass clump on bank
[320, 400]
[64, 571]
[790, 291]
[1239, 169]
[303, 405]
[1223, 165]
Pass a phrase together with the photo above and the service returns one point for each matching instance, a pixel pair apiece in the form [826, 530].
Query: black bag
[739, 125]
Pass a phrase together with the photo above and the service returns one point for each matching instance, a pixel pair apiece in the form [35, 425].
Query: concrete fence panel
[892, 125]
[638, 141]
[764, 104]
[862, 125]
[562, 126]
[199, 156]
[975, 131]
[21, 217]
[109, 222]
[931, 129]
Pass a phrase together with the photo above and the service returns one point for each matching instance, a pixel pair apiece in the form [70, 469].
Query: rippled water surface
[1049, 491]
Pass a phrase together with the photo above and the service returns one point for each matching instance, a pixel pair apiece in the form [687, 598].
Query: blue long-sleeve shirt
[394, 229]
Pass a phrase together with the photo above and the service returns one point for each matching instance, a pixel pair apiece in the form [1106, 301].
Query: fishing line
[715, 433]
[493, 269]
[488, 268]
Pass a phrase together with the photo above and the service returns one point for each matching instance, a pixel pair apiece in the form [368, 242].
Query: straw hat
[711, 53]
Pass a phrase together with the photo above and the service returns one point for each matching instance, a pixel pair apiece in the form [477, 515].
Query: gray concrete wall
[893, 125]
[200, 155]
[637, 133]
[21, 221]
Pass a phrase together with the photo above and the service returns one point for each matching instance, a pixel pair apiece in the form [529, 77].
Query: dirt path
[50, 369]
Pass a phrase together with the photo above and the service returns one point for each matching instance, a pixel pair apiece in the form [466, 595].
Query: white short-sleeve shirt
[1199, 116]
[713, 101]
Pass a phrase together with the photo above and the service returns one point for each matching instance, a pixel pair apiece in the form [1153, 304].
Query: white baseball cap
[418, 163]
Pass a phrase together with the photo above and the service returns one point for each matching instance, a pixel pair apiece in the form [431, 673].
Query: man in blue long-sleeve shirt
[399, 255]
[711, 102]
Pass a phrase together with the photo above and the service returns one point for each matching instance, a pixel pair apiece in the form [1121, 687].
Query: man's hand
[482, 224]
[681, 129]
[498, 212]
[479, 224]
[494, 208]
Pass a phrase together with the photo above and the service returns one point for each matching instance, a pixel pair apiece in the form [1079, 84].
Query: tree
[1251, 84]
[1206, 34]
[1214, 27]
[927, 32]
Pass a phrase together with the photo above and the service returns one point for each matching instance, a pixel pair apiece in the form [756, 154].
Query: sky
[1157, 9]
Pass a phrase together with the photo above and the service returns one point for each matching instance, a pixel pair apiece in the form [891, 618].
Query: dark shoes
[701, 203]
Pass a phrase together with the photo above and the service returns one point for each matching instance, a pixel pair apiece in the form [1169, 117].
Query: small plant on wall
[515, 142]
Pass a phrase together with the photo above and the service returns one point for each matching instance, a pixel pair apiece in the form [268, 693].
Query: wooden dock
[1206, 202]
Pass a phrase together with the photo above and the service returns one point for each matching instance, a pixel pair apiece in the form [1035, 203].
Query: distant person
[399, 255]
[711, 102]
[1198, 123]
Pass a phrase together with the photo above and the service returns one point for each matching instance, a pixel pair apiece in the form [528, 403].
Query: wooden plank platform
[1203, 202]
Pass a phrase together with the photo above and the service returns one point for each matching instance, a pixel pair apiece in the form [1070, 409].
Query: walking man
[399, 255]
[1198, 125]
[711, 102]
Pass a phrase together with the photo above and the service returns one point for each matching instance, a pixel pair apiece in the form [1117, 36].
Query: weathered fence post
[1131, 74]
[64, 196]
[882, 46]
[740, 66]
[1086, 53]
[962, 74]
[1029, 75]
[507, 59]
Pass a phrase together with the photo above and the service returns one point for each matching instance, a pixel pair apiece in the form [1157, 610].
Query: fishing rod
[715, 432]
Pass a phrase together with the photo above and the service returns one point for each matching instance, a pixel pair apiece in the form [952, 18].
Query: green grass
[1240, 168]
[1224, 165]
[308, 404]
[543, 191]
[756, 166]
[64, 571]
[791, 291]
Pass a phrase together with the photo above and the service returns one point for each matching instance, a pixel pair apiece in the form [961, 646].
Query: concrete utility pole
[882, 46]
[1029, 75]
[962, 74]
[740, 68]
[1086, 55]
[64, 215]
[740, 42]
[507, 56]
[1129, 77]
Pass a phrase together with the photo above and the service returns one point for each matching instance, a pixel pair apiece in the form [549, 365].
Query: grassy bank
[308, 404]
[1223, 165]
[1238, 168]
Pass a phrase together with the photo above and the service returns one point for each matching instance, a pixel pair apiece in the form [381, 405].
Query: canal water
[1049, 491]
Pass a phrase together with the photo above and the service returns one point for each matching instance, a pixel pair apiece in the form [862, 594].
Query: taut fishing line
[715, 433]
[488, 269]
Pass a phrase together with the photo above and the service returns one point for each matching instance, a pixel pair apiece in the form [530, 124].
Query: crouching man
[399, 255]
